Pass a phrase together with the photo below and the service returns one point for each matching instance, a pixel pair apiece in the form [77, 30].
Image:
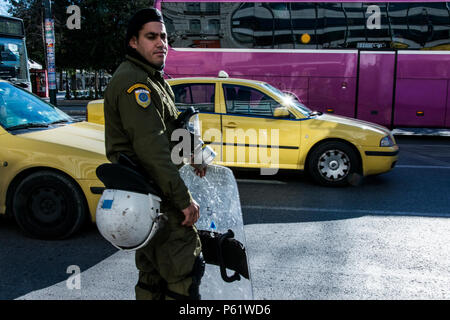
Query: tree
[98, 45]
[103, 26]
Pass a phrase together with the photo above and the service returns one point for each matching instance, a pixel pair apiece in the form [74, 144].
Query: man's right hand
[191, 214]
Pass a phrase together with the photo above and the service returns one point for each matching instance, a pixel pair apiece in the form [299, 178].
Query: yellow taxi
[47, 165]
[251, 124]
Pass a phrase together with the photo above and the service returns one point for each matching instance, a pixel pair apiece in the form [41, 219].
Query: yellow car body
[48, 179]
[279, 141]
[75, 150]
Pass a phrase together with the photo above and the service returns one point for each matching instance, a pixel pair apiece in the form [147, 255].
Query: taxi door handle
[230, 125]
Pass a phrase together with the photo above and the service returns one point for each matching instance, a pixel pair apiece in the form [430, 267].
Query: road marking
[260, 181]
[428, 145]
[422, 167]
[365, 212]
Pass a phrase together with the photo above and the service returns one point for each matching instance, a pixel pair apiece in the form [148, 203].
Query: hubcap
[47, 205]
[334, 165]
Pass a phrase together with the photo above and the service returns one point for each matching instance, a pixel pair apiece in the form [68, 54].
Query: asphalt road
[384, 239]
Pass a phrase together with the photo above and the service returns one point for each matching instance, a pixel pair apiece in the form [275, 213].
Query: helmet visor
[193, 125]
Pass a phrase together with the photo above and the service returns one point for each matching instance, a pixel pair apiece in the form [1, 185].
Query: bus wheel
[332, 164]
[48, 205]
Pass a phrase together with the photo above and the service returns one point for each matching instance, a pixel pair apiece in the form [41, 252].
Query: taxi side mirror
[281, 112]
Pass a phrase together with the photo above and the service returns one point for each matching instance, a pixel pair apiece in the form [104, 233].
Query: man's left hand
[200, 172]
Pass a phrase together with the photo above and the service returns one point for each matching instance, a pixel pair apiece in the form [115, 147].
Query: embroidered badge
[141, 93]
[142, 97]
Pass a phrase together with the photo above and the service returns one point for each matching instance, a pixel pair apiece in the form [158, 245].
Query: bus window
[420, 25]
[309, 25]
[304, 23]
[13, 53]
[12, 58]
[242, 24]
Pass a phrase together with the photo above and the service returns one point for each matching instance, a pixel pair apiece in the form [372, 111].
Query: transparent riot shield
[220, 211]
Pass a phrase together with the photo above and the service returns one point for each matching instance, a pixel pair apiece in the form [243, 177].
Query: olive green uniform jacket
[143, 132]
[139, 120]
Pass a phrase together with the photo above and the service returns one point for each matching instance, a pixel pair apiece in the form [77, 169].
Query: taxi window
[248, 101]
[200, 95]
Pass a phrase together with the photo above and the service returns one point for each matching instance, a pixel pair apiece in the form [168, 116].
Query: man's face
[151, 43]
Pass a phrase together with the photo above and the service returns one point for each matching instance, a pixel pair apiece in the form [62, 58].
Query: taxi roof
[213, 79]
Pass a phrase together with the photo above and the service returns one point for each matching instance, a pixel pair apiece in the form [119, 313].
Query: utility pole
[50, 45]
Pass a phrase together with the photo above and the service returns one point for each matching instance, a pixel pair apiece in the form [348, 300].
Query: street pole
[50, 45]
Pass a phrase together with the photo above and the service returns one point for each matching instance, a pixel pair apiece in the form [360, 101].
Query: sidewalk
[65, 103]
[422, 132]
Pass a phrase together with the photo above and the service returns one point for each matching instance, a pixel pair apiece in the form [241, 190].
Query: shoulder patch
[141, 93]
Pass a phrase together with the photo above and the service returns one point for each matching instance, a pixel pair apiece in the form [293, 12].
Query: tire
[49, 205]
[333, 163]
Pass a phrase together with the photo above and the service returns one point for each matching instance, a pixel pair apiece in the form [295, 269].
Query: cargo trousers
[166, 264]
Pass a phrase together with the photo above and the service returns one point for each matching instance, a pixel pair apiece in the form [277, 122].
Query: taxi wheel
[49, 205]
[333, 163]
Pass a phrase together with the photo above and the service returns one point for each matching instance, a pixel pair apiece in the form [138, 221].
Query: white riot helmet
[128, 220]
[128, 212]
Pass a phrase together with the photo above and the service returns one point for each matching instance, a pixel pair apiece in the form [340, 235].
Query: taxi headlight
[387, 142]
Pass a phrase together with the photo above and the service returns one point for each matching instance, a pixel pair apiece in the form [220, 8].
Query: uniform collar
[145, 65]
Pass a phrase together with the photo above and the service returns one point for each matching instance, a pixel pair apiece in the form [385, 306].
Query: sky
[4, 8]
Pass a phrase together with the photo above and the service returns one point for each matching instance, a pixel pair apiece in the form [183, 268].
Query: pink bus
[387, 62]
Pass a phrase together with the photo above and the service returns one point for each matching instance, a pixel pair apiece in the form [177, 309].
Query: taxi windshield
[289, 100]
[20, 109]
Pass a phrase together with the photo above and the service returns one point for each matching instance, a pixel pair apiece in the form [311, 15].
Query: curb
[75, 113]
[421, 132]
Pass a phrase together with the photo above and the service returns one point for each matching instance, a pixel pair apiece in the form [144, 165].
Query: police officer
[140, 117]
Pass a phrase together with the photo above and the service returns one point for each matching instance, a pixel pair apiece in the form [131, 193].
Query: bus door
[422, 88]
[418, 81]
[408, 86]
[376, 86]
